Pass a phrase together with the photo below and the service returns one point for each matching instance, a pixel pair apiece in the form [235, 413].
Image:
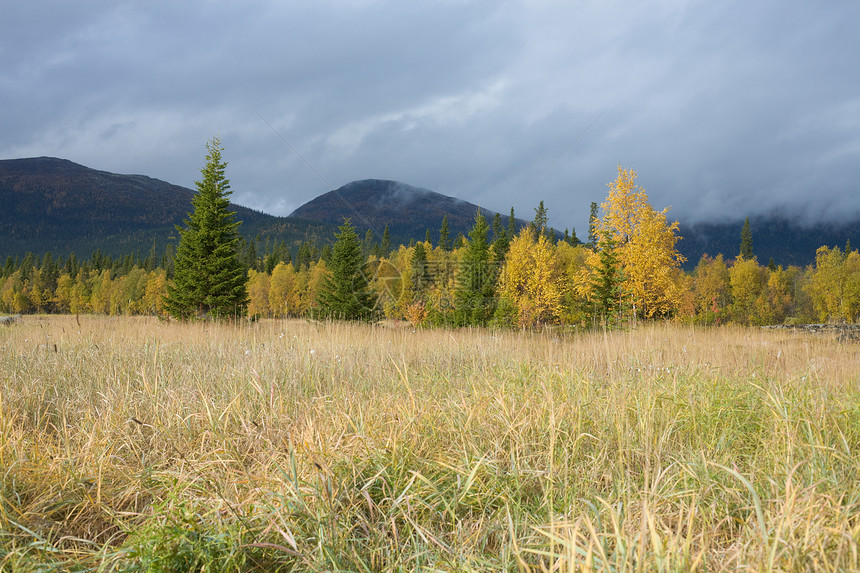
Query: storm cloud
[725, 109]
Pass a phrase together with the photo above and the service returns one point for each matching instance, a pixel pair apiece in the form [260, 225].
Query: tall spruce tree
[345, 293]
[385, 247]
[444, 235]
[208, 280]
[607, 281]
[474, 298]
[746, 241]
[592, 226]
[501, 241]
[540, 222]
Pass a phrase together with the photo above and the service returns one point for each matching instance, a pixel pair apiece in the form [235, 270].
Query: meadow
[133, 444]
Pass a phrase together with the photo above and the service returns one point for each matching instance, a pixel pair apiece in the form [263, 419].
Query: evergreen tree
[444, 236]
[50, 272]
[72, 267]
[345, 293]
[385, 248]
[746, 241]
[501, 241]
[474, 298]
[540, 222]
[512, 226]
[592, 226]
[427, 238]
[209, 280]
[325, 254]
[303, 258]
[607, 281]
[420, 273]
[368, 247]
[149, 262]
[167, 260]
[249, 254]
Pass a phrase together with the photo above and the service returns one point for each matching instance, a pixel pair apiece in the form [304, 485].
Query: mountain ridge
[408, 211]
[52, 204]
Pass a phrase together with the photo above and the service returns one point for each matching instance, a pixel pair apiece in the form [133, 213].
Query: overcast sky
[724, 108]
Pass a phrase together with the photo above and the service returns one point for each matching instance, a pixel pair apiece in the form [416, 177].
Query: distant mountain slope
[49, 204]
[56, 205]
[408, 211]
[786, 241]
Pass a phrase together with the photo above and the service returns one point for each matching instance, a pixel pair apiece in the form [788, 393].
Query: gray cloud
[725, 109]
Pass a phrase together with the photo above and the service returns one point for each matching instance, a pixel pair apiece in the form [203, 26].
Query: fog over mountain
[725, 109]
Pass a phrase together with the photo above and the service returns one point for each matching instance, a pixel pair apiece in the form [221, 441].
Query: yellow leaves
[531, 279]
[835, 284]
[748, 281]
[258, 293]
[283, 292]
[644, 244]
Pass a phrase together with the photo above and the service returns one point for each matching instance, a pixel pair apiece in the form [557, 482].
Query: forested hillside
[501, 275]
[55, 205]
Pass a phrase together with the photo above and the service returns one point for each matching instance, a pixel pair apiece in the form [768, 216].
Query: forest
[500, 275]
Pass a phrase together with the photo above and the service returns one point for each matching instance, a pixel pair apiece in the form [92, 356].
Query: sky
[725, 109]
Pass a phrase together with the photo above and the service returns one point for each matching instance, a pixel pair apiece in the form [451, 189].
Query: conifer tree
[501, 241]
[540, 222]
[444, 236]
[209, 280]
[386, 242]
[607, 280]
[592, 226]
[474, 299]
[369, 246]
[345, 293]
[746, 241]
[420, 274]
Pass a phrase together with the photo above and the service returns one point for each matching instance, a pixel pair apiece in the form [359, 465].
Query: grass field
[133, 444]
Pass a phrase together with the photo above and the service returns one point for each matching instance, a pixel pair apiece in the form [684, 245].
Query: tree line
[628, 270]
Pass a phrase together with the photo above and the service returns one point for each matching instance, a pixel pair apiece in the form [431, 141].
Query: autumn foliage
[524, 278]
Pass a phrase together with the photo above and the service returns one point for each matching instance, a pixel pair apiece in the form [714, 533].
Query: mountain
[786, 240]
[51, 204]
[408, 211]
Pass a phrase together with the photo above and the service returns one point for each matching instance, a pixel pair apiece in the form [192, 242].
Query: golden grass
[132, 443]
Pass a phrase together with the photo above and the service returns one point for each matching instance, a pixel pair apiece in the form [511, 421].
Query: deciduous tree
[644, 244]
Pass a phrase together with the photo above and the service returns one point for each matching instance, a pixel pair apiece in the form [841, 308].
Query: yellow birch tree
[645, 246]
[531, 279]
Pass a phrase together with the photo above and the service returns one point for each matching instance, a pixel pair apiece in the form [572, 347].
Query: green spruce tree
[592, 226]
[474, 298]
[345, 294]
[746, 241]
[607, 282]
[540, 222]
[385, 248]
[209, 281]
[501, 241]
[444, 235]
[420, 272]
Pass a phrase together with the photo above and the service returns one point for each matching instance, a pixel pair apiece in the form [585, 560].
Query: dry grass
[133, 444]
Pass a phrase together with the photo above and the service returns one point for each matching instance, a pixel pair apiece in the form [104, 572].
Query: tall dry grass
[133, 444]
